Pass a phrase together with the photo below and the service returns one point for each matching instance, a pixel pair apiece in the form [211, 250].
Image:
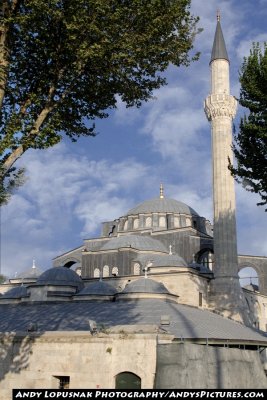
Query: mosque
[154, 302]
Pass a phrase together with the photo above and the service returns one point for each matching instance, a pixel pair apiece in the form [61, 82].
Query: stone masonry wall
[181, 366]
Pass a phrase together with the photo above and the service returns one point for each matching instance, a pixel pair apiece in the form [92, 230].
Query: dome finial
[161, 191]
[33, 264]
[218, 15]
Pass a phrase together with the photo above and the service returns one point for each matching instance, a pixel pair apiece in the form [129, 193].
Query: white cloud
[63, 198]
[243, 50]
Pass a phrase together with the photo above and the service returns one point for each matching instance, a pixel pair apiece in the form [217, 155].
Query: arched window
[206, 259]
[127, 380]
[148, 221]
[96, 273]
[125, 225]
[105, 271]
[136, 269]
[136, 223]
[115, 271]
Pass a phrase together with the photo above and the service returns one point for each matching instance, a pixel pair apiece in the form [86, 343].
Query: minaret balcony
[220, 105]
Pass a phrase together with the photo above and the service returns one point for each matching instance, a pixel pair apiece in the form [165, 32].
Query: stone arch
[205, 257]
[69, 262]
[249, 274]
[74, 264]
[127, 380]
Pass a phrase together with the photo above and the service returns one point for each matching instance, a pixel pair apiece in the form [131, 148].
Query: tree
[250, 148]
[2, 279]
[66, 62]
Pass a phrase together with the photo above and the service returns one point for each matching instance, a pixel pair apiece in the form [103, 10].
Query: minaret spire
[220, 107]
[219, 48]
[161, 191]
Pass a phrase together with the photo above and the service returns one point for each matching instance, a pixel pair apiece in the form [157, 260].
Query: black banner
[44, 394]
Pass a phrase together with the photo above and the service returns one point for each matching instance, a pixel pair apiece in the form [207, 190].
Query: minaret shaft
[226, 296]
[225, 245]
[220, 108]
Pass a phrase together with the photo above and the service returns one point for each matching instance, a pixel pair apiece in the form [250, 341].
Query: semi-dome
[145, 285]
[60, 276]
[138, 242]
[162, 205]
[98, 288]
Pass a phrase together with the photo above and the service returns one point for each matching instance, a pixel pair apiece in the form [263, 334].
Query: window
[206, 259]
[63, 382]
[127, 380]
[125, 226]
[105, 271]
[96, 273]
[115, 271]
[136, 223]
[136, 269]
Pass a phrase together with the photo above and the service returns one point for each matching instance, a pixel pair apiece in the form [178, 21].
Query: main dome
[162, 205]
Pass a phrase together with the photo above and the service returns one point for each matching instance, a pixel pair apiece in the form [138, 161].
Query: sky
[73, 187]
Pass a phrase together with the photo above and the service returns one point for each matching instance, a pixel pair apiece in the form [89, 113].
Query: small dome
[98, 288]
[145, 285]
[60, 276]
[162, 205]
[30, 273]
[15, 293]
[135, 241]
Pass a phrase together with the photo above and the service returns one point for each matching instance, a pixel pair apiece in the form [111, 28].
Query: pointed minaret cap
[219, 49]
[161, 191]
[33, 264]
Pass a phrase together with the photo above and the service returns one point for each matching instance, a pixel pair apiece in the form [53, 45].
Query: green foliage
[2, 279]
[64, 63]
[251, 141]
[11, 181]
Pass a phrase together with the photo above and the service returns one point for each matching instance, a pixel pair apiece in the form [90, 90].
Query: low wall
[185, 365]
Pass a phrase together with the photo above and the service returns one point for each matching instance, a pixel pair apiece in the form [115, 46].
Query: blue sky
[72, 188]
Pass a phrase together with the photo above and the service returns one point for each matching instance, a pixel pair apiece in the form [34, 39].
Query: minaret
[226, 296]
